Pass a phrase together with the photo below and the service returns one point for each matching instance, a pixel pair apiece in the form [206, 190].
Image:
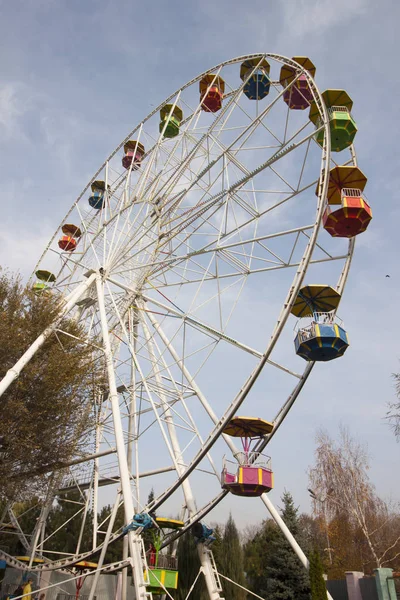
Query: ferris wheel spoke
[250, 128]
[170, 182]
[254, 271]
[319, 246]
[169, 262]
[218, 249]
[177, 451]
[232, 188]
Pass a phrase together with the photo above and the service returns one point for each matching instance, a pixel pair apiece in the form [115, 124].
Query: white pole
[105, 546]
[134, 541]
[96, 478]
[132, 431]
[286, 532]
[83, 523]
[29, 354]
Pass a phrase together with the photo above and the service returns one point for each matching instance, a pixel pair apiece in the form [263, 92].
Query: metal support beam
[288, 535]
[134, 540]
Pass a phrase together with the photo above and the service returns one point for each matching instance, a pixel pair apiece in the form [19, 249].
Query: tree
[230, 561]
[313, 534]
[317, 583]
[147, 534]
[115, 550]
[217, 545]
[255, 555]
[46, 411]
[189, 566]
[273, 569]
[64, 524]
[340, 481]
[393, 414]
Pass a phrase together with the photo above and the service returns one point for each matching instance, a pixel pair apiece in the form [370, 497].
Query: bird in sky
[387, 275]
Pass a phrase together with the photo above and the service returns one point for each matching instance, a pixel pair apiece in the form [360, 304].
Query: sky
[77, 75]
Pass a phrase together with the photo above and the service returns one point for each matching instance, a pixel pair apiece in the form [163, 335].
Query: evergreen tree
[317, 583]
[255, 556]
[148, 534]
[277, 573]
[231, 562]
[217, 546]
[189, 565]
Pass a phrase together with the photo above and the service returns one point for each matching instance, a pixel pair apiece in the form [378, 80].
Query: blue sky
[77, 75]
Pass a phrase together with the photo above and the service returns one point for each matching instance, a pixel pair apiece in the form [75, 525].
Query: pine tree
[148, 534]
[282, 576]
[217, 546]
[232, 562]
[189, 566]
[317, 583]
[255, 553]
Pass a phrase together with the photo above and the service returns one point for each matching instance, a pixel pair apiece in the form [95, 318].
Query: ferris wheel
[229, 210]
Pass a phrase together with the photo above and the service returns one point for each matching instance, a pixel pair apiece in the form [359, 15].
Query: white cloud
[12, 107]
[304, 17]
[21, 247]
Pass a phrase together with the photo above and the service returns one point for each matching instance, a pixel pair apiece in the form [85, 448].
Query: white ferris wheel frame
[101, 275]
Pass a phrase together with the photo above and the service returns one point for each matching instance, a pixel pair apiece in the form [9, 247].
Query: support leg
[134, 541]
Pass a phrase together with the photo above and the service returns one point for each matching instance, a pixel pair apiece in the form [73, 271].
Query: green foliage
[317, 583]
[45, 412]
[230, 561]
[189, 565]
[273, 569]
[217, 546]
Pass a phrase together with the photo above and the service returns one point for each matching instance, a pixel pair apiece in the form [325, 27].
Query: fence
[368, 588]
[337, 589]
